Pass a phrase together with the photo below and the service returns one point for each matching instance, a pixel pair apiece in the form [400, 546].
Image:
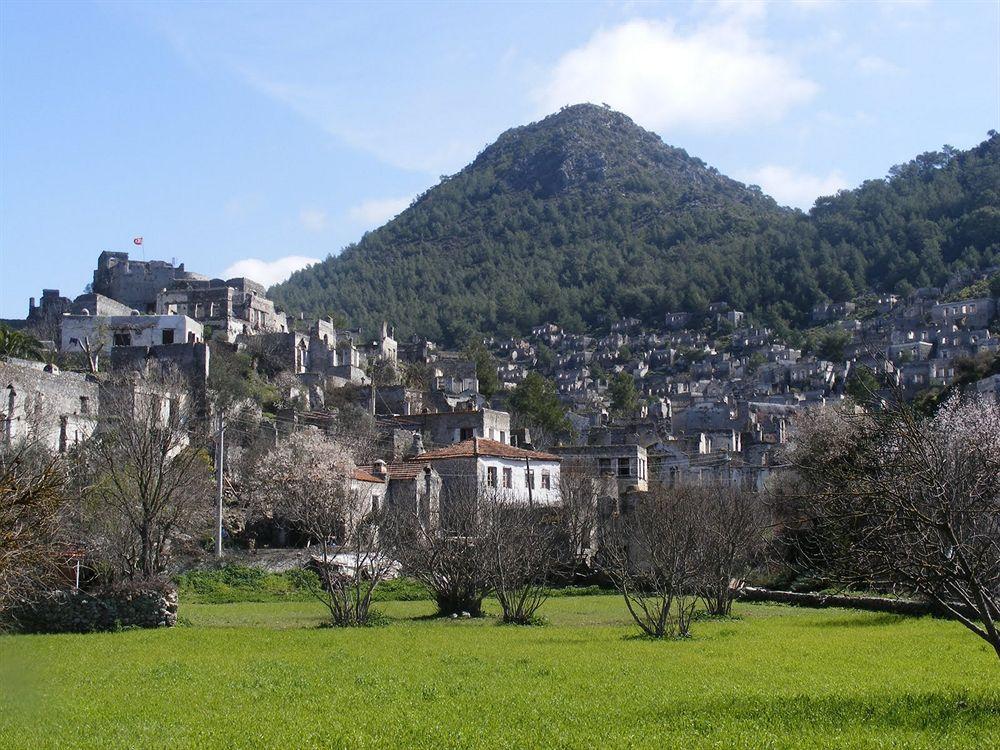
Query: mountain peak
[592, 147]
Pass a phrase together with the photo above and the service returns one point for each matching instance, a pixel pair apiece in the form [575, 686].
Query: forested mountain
[585, 216]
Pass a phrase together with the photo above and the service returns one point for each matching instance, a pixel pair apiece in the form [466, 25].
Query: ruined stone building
[226, 308]
[449, 427]
[40, 403]
[136, 283]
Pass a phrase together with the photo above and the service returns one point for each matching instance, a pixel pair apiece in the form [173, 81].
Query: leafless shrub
[523, 546]
[896, 502]
[733, 520]
[653, 556]
[32, 495]
[452, 559]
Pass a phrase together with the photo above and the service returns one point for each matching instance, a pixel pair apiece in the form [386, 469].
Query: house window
[604, 465]
[624, 467]
[167, 336]
[546, 480]
[508, 478]
[491, 476]
[122, 339]
[85, 405]
[529, 478]
[467, 433]
[503, 436]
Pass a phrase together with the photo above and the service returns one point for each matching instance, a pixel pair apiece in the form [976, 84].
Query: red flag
[137, 241]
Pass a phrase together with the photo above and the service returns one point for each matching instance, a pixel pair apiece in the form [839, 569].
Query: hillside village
[704, 397]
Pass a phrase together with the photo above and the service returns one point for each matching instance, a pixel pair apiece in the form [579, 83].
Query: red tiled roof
[406, 471]
[364, 476]
[483, 447]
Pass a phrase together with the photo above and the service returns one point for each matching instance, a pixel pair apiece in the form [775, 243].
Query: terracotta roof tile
[405, 471]
[364, 476]
[482, 447]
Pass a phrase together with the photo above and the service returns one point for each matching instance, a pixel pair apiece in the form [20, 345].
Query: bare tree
[92, 349]
[310, 483]
[893, 501]
[523, 545]
[653, 556]
[354, 427]
[32, 495]
[451, 559]
[733, 520]
[151, 483]
[580, 493]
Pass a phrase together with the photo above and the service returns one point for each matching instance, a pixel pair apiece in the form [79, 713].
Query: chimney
[418, 443]
[379, 469]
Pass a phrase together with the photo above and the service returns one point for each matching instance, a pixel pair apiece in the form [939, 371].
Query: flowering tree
[308, 481]
[891, 500]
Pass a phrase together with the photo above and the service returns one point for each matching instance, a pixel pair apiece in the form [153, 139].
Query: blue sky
[250, 138]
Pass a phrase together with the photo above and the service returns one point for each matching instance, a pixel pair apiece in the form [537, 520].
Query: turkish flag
[137, 241]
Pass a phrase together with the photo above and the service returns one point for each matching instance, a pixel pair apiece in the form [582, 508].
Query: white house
[106, 331]
[531, 477]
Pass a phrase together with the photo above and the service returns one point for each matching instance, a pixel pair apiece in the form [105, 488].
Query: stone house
[79, 332]
[529, 477]
[628, 464]
[39, 402]
[450, 427]
[913, 351]
[413, 491]
[971, 313]
[228, 308]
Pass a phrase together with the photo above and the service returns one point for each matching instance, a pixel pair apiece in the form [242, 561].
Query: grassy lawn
[262, 675]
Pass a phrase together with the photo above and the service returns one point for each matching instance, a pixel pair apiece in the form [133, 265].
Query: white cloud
[792, 188]
[376, 212]
[718, 75]
[313, 219]
[268, 272]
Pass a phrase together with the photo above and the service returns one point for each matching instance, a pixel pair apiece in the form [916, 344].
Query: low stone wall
[147, 605]
[912, 607]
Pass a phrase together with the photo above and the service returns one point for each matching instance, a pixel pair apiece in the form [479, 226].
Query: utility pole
[220, 454]
[527, 480]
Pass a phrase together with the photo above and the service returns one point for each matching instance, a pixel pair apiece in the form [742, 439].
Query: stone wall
[912, 607]
[149, 605]
[38, 402]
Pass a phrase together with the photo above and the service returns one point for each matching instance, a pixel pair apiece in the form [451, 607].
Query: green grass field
[263, 675]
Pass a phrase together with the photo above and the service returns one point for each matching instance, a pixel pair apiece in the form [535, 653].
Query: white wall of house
[515, 470]
[127, 330]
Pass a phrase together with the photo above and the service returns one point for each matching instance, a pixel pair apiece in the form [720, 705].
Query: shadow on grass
[929, 712]
[862, 621]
